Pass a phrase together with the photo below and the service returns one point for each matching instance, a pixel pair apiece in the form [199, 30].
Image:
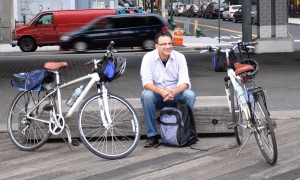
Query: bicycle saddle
[55, 65]
[241, 68]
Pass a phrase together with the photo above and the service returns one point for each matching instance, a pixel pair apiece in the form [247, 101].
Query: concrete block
[274, 45]
[206, 111]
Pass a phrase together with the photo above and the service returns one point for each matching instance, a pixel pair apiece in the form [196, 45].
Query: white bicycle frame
[236, 81]
[104, 112]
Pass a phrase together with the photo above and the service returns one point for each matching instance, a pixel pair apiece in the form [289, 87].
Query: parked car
[179, 9]
[187, 6]
[229, 11]
[192, 11]
[126, 30]
[238, 15]
[173, 7]
[46, 27]
[201, 11]
[212, 10]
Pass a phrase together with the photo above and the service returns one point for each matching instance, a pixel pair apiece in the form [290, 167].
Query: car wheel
[210, 16]
[234, 20]
[148, 44]
[80, 46]
[28, 44]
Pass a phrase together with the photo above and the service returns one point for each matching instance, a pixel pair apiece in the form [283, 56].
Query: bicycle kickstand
[74, 142]
[244, 143]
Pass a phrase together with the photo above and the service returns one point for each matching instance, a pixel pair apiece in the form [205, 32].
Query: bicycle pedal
[75, 142]
[48, 107]
[231, 125]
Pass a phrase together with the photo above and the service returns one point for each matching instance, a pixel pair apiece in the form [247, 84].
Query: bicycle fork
[103, 107]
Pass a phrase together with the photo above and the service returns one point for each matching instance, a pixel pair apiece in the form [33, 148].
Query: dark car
[201, 11]
[237, 16]
[126, 30]
[212, 10]
[192, 10]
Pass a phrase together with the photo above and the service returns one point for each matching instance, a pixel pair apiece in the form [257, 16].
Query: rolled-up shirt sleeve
[183, 74]
[146, 71]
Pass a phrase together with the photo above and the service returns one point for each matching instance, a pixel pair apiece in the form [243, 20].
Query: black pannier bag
[219, 61]
[177, 126]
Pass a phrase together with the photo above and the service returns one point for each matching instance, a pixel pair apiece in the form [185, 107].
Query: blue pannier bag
[219, 61]
[109, 70]
[31, 80]
[177, 126]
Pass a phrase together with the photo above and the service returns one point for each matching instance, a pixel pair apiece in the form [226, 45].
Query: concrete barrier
[211, 116]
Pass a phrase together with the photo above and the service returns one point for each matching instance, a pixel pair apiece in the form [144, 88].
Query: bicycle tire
[37, 132]
[264, 131]
[120, 139]
[236, 115]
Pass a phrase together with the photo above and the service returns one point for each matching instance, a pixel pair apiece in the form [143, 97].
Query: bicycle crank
[57, 124]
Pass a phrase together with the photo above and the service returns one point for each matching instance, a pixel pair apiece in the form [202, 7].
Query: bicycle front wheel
[264, 131]
[237, 116]
[28, 134]
[117, 140]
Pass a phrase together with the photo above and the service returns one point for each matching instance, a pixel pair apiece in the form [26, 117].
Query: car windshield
[236, 7]
[91, 24]
[216, 5]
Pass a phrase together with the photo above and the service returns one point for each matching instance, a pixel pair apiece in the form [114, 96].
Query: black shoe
[151, 141]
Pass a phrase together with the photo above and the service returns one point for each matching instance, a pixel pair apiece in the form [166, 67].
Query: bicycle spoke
[116, 140]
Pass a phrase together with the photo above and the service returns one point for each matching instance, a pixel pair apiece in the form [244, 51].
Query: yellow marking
[223, 29]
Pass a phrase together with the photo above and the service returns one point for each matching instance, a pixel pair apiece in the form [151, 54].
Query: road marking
[223, 29]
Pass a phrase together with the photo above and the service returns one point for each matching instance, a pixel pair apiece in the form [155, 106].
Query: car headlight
[65, 38]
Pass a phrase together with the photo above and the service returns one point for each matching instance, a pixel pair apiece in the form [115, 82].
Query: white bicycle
[107, 123]
[246, 100]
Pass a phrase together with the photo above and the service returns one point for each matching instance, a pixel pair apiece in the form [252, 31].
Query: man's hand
[169, 94]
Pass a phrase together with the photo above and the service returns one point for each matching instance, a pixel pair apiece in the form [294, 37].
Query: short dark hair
[162, 33]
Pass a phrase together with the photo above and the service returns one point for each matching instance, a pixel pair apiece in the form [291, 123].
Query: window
[46, 19]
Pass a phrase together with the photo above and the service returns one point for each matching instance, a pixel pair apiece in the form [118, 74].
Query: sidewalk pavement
[188, 41]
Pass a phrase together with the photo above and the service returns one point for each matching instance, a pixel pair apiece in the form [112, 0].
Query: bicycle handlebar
[110, 51]
[240, 44]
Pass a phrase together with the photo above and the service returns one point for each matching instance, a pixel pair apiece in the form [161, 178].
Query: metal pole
[219, 22]
[246, 20]
[171, 11]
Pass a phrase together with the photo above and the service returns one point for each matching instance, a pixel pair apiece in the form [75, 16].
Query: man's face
[164, 46]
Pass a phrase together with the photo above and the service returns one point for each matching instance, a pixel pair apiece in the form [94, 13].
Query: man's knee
[189, 97]
[147, 94]
[189, 94]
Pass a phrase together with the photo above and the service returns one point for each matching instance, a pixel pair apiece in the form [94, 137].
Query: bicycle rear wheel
[120, 138]
[25, 133]
[264, 132]
[237, 116]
